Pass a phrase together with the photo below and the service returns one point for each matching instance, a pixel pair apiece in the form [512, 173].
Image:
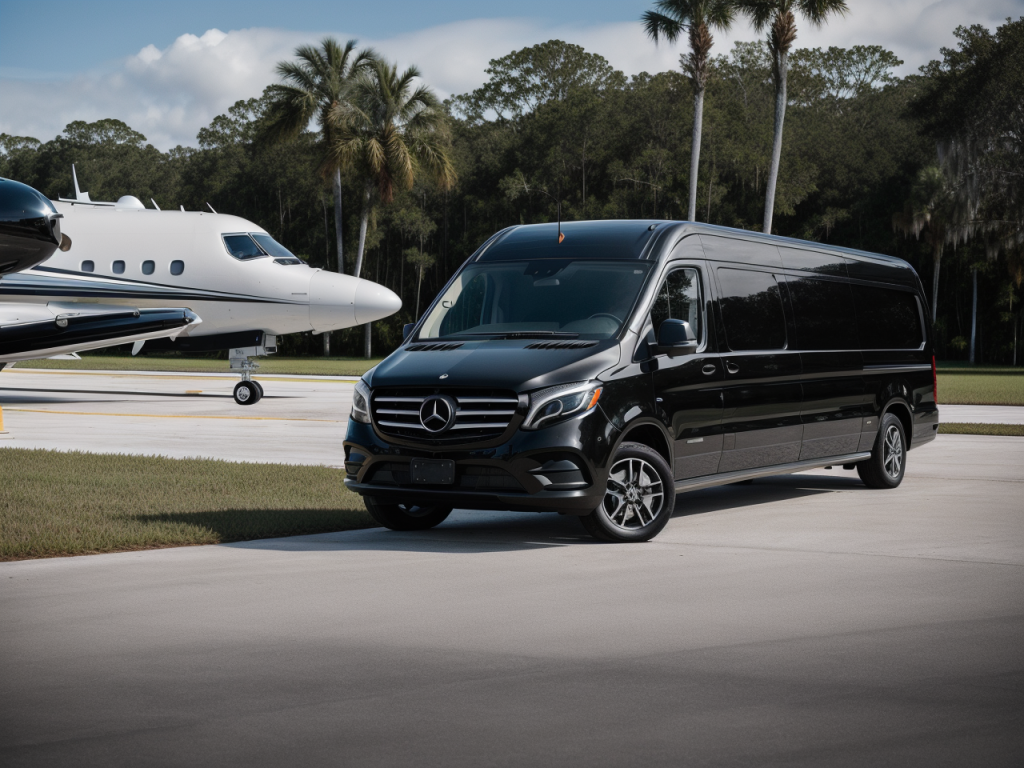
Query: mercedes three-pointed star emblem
[437, 413]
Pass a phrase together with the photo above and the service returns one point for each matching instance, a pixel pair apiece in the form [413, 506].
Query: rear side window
[679, 298]
[752, 310]
[242, 247]
[825, 318]
[888, 319]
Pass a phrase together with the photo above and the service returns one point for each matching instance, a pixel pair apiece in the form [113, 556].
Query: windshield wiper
[518, 334]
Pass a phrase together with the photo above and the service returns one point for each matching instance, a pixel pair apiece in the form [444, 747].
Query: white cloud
[170, 94]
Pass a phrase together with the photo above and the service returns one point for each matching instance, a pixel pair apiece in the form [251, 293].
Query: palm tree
[777, 16]
[930, 209]
[695, 17]
[389, 130]
[314, 85]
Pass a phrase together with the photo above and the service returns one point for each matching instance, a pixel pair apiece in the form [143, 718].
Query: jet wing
[33, 331]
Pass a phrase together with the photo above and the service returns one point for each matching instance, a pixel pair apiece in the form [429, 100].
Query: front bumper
[562, 468]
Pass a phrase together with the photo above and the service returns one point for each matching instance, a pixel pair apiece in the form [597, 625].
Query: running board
[709, 481]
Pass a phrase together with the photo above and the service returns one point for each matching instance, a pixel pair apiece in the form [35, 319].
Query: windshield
[271, 246]
[558, 298]
[255, 245]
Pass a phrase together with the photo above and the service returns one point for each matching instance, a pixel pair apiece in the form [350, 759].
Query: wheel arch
[650, 433]
[899, 408]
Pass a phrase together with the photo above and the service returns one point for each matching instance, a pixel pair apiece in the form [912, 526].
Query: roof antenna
[154, 203]
[210, 207]
[80, 196]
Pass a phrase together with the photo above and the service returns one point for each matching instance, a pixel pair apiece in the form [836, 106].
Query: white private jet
[247, 288]
[30, 232]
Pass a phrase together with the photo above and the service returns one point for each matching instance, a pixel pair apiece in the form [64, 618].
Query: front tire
[888, 462]
[247, 393]
[639, 498]
[405, 517]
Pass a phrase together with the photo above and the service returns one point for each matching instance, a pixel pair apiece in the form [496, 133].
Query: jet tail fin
[80, 196]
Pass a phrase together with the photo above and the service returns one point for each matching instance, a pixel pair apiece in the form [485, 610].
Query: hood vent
[561, 345]
[435, 347]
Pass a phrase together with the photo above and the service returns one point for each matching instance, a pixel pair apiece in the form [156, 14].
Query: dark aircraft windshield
[544, 299]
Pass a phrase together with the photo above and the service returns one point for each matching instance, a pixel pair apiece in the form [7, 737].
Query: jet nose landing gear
[247, 391]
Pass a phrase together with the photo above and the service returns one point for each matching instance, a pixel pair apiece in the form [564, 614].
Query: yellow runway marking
[170, 415]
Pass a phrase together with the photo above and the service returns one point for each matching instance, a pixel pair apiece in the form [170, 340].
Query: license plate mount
[432, 471]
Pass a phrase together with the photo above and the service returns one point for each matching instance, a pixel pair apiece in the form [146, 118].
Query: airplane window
[242, 247]
[271, 246]
[148, 267]
[88, 266]
[118, 267]
[177, 267]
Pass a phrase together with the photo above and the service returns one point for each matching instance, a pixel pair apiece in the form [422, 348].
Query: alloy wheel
[892, 452]
[635, 494]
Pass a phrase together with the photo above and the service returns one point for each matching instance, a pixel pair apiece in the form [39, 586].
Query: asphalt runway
[797, 621]
[301, 420]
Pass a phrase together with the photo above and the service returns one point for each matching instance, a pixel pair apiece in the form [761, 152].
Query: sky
[167, 69]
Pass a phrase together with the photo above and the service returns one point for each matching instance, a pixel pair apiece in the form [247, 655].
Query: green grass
[1001, 430]
[300, 366]
[980, 386]
[55, 503]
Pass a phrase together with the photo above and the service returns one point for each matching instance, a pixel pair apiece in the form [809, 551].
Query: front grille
[471, 478]
[479, 414]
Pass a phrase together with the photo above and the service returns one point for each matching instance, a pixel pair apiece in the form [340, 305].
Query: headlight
[557, 403]
[361, 403]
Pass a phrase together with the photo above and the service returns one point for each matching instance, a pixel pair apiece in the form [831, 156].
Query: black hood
[519, 365]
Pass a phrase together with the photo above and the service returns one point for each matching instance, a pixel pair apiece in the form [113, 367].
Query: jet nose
[374, 302]
[342, 301]
[332, 301]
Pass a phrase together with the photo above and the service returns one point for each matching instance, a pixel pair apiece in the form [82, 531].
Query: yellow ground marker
[170, 415]
[2, 430]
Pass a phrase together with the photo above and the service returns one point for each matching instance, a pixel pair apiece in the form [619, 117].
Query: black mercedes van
[600, 369]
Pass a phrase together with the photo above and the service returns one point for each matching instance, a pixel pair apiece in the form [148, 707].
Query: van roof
[649, 239]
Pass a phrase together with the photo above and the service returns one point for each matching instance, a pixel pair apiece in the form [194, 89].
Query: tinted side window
[752, 310]
[888, 319]
[825, 318]
[679, 298]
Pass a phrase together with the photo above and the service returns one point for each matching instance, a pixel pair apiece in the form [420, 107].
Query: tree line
[927, 167]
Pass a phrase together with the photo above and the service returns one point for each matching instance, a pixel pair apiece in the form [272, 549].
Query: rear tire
[639, 499]
[888, 462]
[405, 517]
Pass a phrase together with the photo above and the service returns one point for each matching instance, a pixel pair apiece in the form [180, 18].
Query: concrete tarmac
[797, 621]
[301, 420]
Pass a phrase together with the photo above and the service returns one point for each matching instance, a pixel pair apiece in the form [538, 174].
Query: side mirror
[676, 338]
[407, 329]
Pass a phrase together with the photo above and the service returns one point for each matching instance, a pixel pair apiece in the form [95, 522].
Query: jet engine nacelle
[29, 228]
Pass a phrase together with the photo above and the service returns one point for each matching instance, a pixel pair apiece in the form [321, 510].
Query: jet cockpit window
[243, 247]
[271, 246]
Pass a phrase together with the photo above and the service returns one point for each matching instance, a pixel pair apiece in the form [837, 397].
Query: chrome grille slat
[478, 415]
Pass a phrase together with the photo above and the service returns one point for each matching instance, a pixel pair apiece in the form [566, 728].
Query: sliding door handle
[731, 367]
[708, 369]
